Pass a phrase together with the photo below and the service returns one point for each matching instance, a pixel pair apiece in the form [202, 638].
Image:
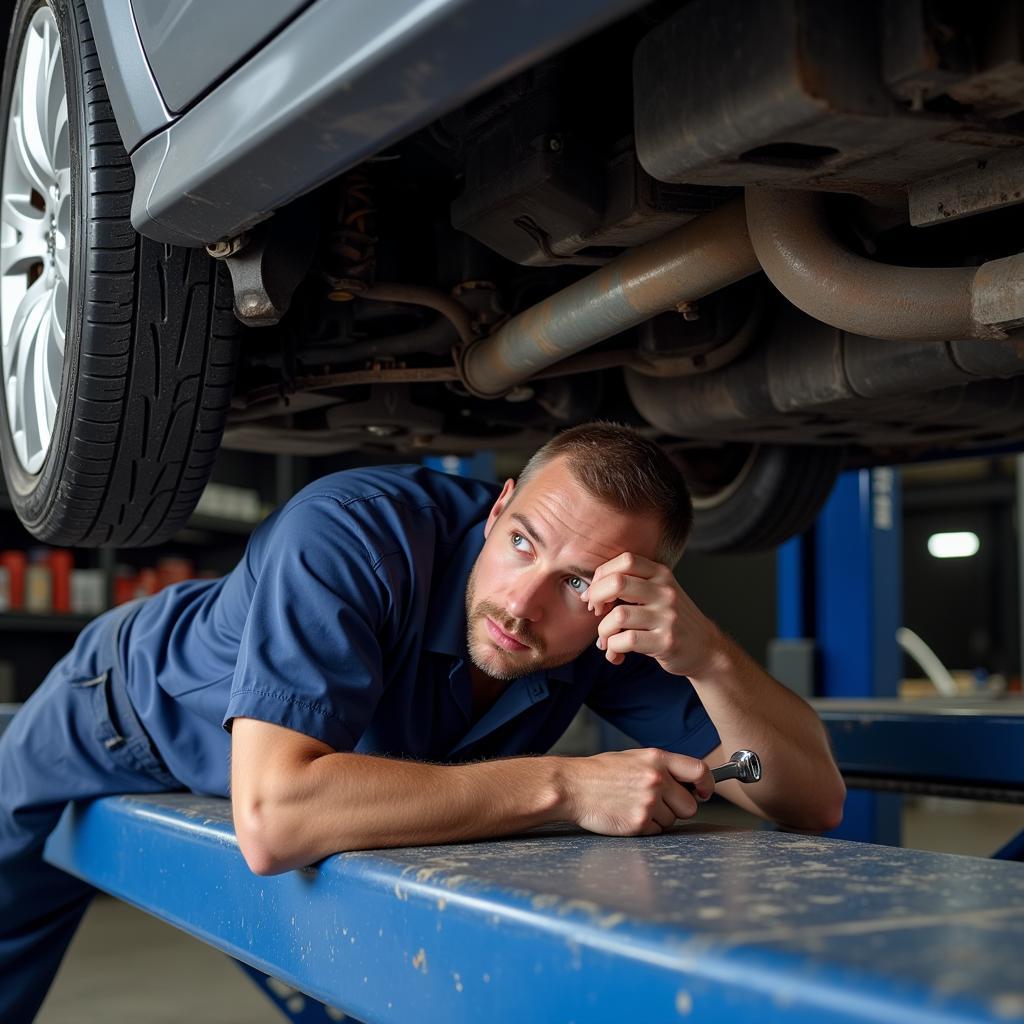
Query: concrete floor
[125, 966]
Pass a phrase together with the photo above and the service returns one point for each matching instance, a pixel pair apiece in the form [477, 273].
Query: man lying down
[372, 672]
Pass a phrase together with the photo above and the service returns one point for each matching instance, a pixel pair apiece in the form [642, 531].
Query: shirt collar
[446, 621]
[445, 627]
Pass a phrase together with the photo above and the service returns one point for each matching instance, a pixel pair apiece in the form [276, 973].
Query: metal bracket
[982, 185]
[267, 265]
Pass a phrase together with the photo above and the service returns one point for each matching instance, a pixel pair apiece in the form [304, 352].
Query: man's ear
[499, 505]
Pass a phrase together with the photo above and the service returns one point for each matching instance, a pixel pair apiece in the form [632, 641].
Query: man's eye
[516, 538]
[580, 586]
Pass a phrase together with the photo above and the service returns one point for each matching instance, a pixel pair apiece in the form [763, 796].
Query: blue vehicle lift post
[840, 583]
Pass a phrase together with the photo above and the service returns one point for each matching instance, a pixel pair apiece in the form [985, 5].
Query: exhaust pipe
[694, 260]
[805, 261]
[789, 238]
[804, 367]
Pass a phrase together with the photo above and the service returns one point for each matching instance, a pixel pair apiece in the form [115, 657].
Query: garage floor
[126, 966]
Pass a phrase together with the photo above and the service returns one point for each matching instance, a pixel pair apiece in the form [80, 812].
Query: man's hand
[642, 608]
[634, 792]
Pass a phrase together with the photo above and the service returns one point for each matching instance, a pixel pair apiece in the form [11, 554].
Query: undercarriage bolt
[227, 246]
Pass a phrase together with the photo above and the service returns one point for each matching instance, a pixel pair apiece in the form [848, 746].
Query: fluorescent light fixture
[953, 545]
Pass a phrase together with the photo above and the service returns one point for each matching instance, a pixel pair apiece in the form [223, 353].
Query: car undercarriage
[781, 237]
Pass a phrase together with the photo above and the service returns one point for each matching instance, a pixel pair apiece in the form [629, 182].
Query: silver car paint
[192, 43]
[340, 83]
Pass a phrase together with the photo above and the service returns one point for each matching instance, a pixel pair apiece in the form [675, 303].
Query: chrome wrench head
[745, 766]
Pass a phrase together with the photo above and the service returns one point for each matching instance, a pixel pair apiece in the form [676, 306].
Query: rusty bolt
[689, 310]
[227, 246]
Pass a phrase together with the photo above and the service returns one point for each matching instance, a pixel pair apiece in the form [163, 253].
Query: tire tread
[159, 346]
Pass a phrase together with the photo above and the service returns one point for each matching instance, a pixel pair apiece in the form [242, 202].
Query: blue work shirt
[345, 620]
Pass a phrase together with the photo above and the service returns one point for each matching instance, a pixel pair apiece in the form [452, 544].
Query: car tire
[110, 437]
[759, 496]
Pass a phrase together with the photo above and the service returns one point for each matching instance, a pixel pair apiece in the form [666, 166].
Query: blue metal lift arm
[703, 923]
[970, 743]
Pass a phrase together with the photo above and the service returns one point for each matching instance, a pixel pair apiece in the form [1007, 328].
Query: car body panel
[336, 86]
[138, 107]
[190, 44]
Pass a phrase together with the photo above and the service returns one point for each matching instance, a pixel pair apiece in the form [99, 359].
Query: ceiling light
[953, 545]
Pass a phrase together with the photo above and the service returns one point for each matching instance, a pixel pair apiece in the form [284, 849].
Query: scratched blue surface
[705, 923]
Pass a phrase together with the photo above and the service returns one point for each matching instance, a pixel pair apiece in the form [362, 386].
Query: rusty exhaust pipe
[805, 261]
[790, 239]
[694, 260]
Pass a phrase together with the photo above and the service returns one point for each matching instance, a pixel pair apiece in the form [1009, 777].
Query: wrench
[745, 765]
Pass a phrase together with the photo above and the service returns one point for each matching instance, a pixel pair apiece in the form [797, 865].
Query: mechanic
[390, 642]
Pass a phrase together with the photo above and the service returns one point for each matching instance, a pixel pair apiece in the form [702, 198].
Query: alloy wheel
[35, 230]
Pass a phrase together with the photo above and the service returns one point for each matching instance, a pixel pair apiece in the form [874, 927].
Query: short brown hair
[626, 472]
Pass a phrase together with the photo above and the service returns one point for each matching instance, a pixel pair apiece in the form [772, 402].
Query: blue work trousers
[77, 737]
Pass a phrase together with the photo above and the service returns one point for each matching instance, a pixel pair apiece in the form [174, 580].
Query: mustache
[516, 628]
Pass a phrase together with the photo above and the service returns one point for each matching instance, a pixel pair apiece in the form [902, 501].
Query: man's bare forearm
[802, 786]
[345, 801]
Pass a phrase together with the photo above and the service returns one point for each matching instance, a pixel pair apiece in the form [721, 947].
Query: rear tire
[758, 496]
[150, 345]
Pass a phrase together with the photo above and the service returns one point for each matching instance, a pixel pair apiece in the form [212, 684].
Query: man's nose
[525, 599]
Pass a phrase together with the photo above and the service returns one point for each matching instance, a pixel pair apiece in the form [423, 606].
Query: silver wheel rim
[35, 234]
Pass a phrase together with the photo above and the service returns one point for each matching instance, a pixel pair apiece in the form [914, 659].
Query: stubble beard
[501, 664]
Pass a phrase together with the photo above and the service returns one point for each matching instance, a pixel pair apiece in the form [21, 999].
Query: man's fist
[635, 792]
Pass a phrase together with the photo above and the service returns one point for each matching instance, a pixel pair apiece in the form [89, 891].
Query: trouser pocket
[108, 729]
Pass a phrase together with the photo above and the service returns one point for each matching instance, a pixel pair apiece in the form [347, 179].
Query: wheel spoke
[20, 214]
[40, 376]
[30, 310]
[31, 124]
[22, 241]
[60, 314]
[29, 337]
[31, 170]
[54, 96]
[14, 411]
[60, 145]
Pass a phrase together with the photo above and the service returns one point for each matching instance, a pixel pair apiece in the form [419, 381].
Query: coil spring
[351, 243]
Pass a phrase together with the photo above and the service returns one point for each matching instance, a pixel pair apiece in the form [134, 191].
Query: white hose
[928, 660]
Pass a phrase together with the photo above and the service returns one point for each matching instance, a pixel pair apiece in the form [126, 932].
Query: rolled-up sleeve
[653, 707]
[310, 656]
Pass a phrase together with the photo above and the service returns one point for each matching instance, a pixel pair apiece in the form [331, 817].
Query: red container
[125, 586]
[147, 582]
[14, 562]
[62, 562]
[175, 570]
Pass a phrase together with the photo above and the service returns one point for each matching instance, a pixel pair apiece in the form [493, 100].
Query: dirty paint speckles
[751, 925]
